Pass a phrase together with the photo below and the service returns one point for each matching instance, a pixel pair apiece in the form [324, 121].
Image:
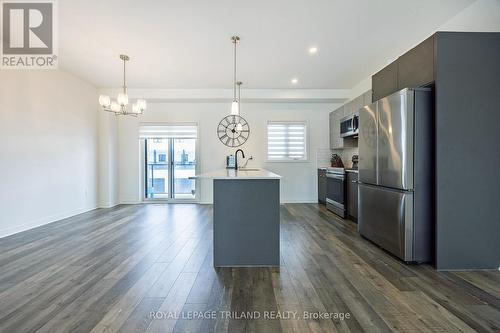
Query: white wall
[48, 148]
[108, 160]
[361, 87]
[299, 182]
[482, 15]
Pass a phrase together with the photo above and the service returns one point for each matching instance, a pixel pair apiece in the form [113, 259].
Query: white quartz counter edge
[233, 174]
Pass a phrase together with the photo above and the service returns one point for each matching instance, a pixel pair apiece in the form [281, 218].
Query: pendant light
[239, 127]
[235, 105]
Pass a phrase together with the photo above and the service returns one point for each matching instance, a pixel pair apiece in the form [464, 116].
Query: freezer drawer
[386, 218]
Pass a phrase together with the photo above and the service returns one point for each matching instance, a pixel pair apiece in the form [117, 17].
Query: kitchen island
[246, 217]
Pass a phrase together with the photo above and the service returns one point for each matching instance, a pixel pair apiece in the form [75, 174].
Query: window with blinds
[286, 141]
[168, 131]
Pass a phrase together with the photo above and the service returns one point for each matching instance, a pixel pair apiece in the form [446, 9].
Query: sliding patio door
[157, 169]
[169, 161]
[183, 168]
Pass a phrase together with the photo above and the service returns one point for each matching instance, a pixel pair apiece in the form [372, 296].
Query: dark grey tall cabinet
[464, 70]
[467, 153]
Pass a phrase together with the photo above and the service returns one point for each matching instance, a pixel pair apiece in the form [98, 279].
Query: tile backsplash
[346, 155]
[323, 156]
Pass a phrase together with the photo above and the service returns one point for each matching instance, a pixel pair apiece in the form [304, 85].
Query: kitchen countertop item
[355, 160]
[336, 161]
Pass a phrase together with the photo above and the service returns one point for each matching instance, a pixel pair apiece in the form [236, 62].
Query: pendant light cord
[234, 81]
[124, 78]
[239, 93]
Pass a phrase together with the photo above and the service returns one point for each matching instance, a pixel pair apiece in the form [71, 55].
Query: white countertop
[240, 174]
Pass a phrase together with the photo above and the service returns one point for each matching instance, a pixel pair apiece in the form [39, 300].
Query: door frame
[142, 183]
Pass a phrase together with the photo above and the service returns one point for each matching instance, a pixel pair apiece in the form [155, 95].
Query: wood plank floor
[148, 268]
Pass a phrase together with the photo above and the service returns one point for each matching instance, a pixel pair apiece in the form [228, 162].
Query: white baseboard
[44, 220]
[309, 201]
[108, 205]
[130, 202]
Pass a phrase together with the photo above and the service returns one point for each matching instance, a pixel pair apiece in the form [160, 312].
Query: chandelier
[120, 107]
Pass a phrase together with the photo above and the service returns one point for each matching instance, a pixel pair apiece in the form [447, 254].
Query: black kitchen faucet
[236, 158]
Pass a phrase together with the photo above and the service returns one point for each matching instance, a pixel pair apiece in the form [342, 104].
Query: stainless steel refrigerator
[396, 194]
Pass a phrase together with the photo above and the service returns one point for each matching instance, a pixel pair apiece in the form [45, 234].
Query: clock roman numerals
[228, 133]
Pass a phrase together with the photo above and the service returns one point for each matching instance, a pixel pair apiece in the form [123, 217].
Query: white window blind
[286, 141]
[168, 131]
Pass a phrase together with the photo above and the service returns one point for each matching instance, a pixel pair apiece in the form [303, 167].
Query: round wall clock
[229, 133]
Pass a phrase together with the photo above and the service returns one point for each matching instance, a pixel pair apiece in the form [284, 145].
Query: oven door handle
[335, 176]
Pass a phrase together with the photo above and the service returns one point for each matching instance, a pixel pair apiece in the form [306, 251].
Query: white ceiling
[186, 43]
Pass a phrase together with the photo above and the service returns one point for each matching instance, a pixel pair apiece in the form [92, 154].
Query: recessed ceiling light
[313, 50]
[295, 81]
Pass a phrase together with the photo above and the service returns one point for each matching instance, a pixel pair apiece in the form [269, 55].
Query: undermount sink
[248, 169]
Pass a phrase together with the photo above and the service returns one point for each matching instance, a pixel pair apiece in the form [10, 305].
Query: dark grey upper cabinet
[358, 103]
[416, 67]
[367, 98]
[385, 82]
[333, 141]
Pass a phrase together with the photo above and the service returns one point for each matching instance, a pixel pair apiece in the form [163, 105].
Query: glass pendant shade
[235, 108]
[104, 100]
[115, 107]
[239, 127]
[141, 103]
[122, 99]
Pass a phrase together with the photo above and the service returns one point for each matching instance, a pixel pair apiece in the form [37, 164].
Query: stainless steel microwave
[349, 126]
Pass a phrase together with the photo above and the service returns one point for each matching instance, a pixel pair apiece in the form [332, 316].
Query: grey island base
[246, 218]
